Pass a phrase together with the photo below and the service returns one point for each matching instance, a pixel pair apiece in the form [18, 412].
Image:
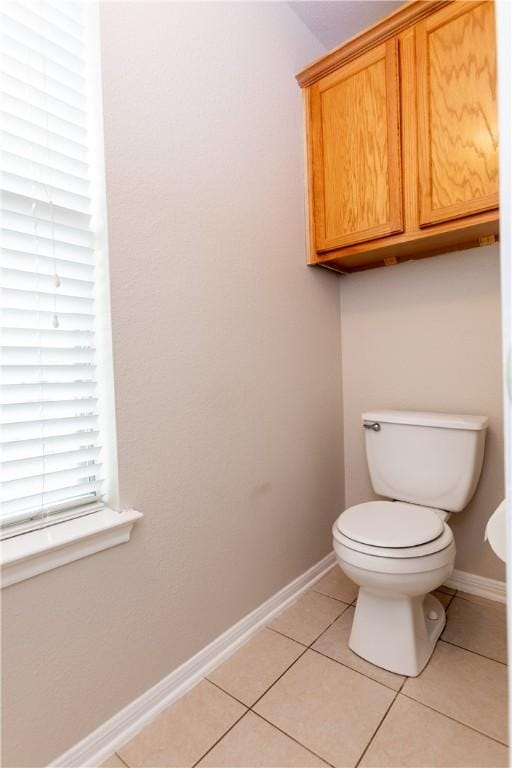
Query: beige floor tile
[414, 736]
[113, 762]
[482, 601]
[184, 732]
[251, 670]
[443, 597]
[308, 617]
[479, 627]
[467, 687]
[328, 708]
[334, 643]
[253, 743]
[336, 584]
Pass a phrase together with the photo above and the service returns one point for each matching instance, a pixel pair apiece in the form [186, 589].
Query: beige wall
[426, 335]
[227, 369]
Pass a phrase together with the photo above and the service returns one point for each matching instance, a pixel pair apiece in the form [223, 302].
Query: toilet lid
[390, 524]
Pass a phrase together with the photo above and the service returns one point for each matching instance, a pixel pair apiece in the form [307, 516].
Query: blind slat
[42, 282]
[44, 136]
[40, 96]
[38, 319]
[34, 430]
[42, 118]
[53, 79]
[44, 191]
[48, 481]
[16, 413]
[69, 496]
[22, 468]
[49, 374]
[39, 42]
[34, 393]
[18, 450]
[46, 265]
[51, 447]
[46, 24]
[20, 146]
[43, 173]
[68, 18]
[14, 298]
[16, 224]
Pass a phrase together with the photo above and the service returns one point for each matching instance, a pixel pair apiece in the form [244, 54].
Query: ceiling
[334, 21]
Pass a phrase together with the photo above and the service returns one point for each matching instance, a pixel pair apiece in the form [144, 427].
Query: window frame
[36, 545]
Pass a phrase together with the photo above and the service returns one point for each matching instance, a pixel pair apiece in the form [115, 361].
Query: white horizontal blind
[50, 441]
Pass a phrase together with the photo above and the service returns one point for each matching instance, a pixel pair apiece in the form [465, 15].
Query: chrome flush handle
[375, 426]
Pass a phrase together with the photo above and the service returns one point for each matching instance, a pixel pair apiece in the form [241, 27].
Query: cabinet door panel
[355, 150]
[457, 126]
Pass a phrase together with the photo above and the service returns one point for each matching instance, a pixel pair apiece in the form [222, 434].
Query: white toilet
[398, 551]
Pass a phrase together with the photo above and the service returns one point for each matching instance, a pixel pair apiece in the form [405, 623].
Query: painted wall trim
[123, 726]
[492, 589]
[35, 552]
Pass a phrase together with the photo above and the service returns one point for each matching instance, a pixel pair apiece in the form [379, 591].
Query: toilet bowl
[399, 550]
[396, 622]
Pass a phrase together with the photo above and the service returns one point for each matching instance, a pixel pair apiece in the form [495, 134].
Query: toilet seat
[397, 553]
[394, 530]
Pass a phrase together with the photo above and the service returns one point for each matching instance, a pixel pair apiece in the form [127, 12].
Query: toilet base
[396, 633]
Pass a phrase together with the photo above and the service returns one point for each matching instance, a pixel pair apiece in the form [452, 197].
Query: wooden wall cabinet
[402, 138]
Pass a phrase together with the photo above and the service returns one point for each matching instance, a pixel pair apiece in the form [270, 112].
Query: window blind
[50, 441]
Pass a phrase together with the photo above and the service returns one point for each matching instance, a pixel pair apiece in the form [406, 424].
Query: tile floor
[295, 695]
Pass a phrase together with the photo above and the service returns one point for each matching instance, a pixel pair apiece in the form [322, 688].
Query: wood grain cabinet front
[355, 150]
[457, 121]
[402, 138]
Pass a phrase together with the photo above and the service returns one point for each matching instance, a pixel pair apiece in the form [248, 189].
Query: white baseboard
[114, 733]
[492, 589]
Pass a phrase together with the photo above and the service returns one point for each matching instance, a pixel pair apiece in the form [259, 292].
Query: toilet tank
[432, 459]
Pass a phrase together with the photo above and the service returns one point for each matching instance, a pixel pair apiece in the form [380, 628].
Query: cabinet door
[354, 150]
[457, 129]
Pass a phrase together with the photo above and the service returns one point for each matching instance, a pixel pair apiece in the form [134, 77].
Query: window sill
[30, 554]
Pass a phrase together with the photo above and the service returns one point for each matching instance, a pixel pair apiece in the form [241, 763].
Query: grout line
[454, 719]
[326, 594]
[347, 606]
[262, 717]
[220, 738]
[306, 648]
[488, 602]
[363, 674]
[251, 708]
[278, 678]
[227, 692]
[287, 636]
[468, 650]
[395, 698]
[365, 750]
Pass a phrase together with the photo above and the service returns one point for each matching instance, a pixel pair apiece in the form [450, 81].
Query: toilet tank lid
[428, 419]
